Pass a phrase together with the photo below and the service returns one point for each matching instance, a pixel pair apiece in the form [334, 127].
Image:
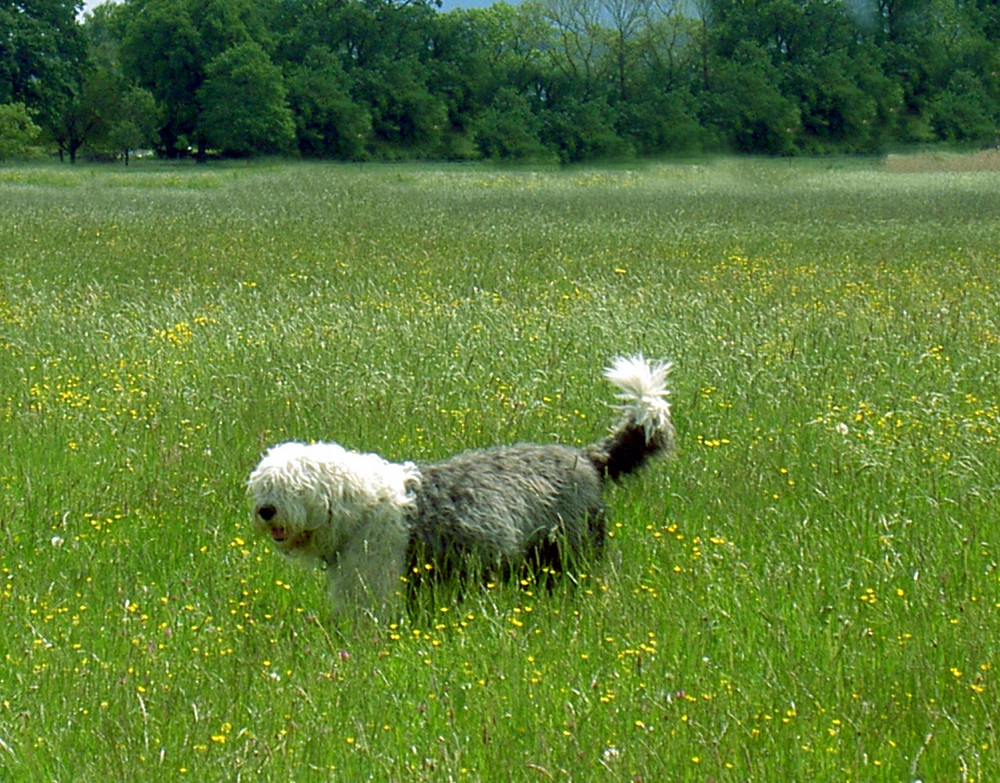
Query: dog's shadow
[498, 591]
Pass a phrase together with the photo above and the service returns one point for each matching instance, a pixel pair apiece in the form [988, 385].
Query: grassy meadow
[808, 591]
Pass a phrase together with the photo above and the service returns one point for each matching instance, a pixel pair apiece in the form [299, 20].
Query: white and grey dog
[371, 523]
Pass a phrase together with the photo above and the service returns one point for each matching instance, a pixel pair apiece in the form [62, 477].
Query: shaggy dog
[371, 523]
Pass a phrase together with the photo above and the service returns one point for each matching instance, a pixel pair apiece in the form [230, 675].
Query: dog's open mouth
[286, 541]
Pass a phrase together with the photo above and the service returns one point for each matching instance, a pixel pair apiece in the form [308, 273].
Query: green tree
[42, 54]
[161, 50]
[406, 116]
[578, 78]
[911, 40]
[461, 75]
[17, 130]
[243, 106]
[76, 118]
[498, 76]
[386, 50]
[809, 58]
[659, 119]
[299, 26]
[329, 122]
[746, 105]
[963, 95]
[43, 64]
[659, 110]
[134, 125]
[844, 100]
[965, 111]
[511, 41]
[509, 129]
[167, 46]
[127, 114]
[581, 130]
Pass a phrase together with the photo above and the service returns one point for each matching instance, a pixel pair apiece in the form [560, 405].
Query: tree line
[564, 80]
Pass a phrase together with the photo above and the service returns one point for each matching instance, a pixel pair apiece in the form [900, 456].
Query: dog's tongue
[279, 533]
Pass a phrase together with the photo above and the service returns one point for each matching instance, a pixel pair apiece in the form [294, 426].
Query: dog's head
[310, 498]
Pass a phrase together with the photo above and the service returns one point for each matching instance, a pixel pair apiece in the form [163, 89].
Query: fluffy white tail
[644, 391]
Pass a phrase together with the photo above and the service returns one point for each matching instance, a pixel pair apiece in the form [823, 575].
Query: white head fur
[315, 499]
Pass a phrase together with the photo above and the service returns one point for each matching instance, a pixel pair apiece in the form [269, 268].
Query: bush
[659, 122]
[508, 129]
[17, 130]
[584, 130]
[964, 110]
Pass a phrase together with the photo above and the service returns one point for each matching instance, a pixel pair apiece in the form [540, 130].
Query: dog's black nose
[267, 512]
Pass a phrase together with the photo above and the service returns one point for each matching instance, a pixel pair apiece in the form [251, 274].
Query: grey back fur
[504, 507]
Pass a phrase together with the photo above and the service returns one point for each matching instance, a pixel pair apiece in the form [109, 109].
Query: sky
[448, 5]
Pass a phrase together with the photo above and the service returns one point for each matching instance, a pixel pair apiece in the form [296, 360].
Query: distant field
[809, 591]
[984, 160]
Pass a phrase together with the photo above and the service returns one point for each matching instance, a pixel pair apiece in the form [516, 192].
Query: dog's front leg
[366, 577]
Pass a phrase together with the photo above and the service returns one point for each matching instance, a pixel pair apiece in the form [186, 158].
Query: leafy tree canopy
[242, 99]
[564, 79]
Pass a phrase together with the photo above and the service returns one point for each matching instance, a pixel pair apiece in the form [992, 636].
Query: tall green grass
[808, 591]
